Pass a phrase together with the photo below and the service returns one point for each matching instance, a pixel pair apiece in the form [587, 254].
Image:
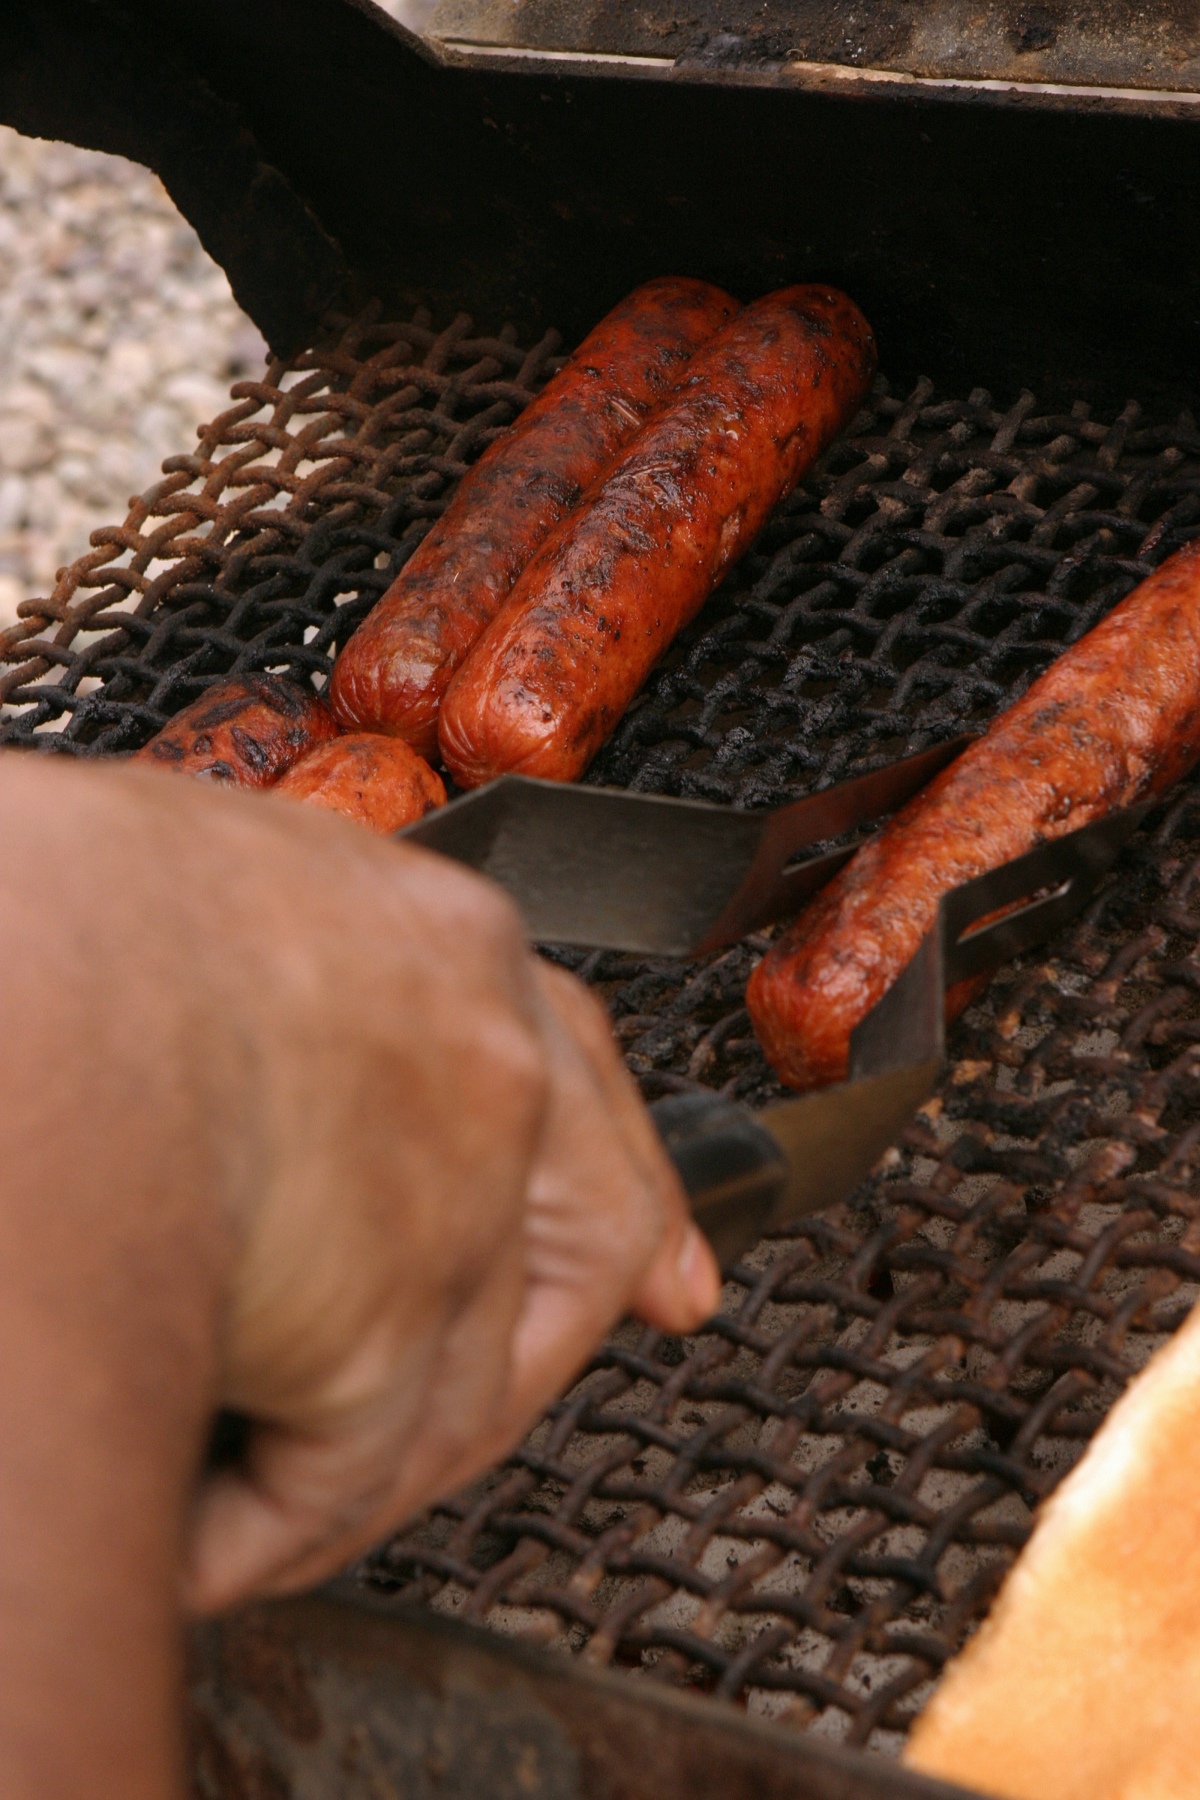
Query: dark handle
[733, 1170]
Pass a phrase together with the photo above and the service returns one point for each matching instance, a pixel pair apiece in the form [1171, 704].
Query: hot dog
[393, 672]
[1115, 719]
[245, 731]
[366, 776]
[607, 592]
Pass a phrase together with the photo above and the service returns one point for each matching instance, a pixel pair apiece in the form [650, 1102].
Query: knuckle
[585, 1013]
[593, 1018]
[511, 1058]
[526, 1062]
[459, 907]
[476, 904]
[497, 918]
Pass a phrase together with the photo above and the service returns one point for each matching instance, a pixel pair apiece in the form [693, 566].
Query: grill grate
[941, 558]
[266, 548]
[808, 1505]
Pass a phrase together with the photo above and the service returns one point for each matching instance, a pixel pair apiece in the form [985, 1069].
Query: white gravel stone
[118, 336]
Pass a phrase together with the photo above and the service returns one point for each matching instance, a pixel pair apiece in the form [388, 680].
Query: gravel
[118, 336]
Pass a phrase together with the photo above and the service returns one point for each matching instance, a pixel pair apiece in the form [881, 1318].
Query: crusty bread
[1084, 1684]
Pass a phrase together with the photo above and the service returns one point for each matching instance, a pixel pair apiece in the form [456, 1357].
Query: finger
[603, 1202]
[681, 1290]
[305, 1501]
[582, 1017]
[680, 1285]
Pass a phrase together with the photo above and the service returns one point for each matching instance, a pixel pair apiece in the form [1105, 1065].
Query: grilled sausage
[393, 672]
[1115, 719]
[366, 776]
[245, 731]
[608, 591]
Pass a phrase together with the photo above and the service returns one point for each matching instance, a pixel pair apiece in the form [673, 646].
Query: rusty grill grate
[266, 547]
[941, 557]
[809, 1505]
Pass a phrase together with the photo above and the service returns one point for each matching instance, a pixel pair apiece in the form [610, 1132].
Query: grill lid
[1012, 51]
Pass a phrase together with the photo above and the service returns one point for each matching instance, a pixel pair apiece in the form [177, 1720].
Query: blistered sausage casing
[378, 781]
[608, 591]
[1114, 720]
[392, 674]
[245, 731]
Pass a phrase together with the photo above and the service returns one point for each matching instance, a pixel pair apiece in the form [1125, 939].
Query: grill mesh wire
[809, 1504]
[266, 547]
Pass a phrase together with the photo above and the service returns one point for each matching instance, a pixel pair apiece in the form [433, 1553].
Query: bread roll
[1084, 1683]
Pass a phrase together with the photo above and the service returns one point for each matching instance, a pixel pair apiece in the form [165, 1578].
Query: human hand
[292, 1123]
[462, 1191]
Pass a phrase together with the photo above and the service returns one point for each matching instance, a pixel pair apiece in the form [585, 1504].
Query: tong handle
[731, 1167]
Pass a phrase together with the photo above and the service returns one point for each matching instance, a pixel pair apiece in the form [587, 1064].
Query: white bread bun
[1084, 1682]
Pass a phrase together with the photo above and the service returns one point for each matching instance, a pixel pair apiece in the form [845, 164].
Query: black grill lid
[1047, 233]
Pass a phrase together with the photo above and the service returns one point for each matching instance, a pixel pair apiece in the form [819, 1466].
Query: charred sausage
[393, 672]
[378, 781]
[607, 592]
[245, 731]
[1115, 719]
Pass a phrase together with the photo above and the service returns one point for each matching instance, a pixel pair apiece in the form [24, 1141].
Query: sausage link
[245, 731]
[1116, 718]
[378, 781]
[605, 595]
[392, 674]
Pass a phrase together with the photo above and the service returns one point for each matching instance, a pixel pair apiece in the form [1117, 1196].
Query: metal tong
[625, 871]
[600, 866]
[748, 1172]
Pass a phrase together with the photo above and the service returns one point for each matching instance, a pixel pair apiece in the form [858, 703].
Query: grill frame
[324, 1696]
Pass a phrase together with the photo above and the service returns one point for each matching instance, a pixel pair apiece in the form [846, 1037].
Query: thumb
[682, 1286]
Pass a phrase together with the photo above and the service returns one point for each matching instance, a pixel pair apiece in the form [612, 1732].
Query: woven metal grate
[266, 547]
[808, 1506]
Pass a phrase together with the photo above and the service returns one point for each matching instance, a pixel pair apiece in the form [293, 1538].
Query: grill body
[808, 1507]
